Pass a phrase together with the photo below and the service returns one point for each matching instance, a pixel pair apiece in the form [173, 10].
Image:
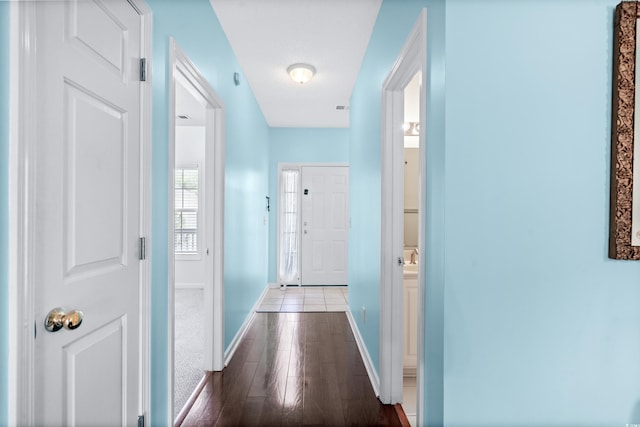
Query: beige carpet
[189, 344]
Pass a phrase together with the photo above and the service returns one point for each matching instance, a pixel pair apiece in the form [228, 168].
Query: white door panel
[109, 46]
[88, 211]
[325, 225]
[94, 225]
[83, 407]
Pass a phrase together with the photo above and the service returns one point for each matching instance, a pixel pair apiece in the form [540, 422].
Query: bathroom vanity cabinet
[410, 324]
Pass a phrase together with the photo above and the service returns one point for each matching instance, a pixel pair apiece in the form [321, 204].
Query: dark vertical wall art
[622, 132]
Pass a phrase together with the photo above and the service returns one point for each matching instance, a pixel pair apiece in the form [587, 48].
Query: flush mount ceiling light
[301, 73]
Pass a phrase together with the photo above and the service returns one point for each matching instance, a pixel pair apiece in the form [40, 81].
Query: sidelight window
[289, 229]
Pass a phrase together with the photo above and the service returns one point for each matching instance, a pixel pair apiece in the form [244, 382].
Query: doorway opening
[313, 224]
[196, 242]
[190, 246]
[403, 218]
[411, 269]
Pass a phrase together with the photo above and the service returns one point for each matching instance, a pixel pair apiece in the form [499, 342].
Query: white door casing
[81, 183]
[325, 225]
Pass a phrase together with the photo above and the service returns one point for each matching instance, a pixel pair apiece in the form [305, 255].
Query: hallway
[292, 369]
[305, 299]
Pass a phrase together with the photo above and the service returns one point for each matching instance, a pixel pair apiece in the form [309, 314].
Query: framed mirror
[624, 230]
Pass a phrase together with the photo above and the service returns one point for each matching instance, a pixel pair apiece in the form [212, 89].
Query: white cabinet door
[410, 313]
[325, 225]
[88, 212]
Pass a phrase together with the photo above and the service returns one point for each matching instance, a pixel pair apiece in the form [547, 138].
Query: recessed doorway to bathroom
[402, 287]
[411, 129]
[313, 224]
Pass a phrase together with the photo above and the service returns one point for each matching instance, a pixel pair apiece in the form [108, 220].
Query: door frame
[181, 67]
[296, 166]
[411, 60]
[23, 71]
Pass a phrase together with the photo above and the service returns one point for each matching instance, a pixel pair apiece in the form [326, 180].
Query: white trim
[171, 257]
[195, 256]
[181, 68]
[185, 285]
[318, 164]
[366, 358]
[22, 106]
[412, 59]
[235, 342]
[421, 26]
[146, 44]
[261, 298]
[22, 196]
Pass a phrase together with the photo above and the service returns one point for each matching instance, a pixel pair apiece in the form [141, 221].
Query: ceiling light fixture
[301, 73]
[411, 128]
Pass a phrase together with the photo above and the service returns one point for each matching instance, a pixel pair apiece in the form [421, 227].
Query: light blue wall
[289, 145]
[4, 210]
[391, 29]
[395, 20]
[197, 31]
[541, 327]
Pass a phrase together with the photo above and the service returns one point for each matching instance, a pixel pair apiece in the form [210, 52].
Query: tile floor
[304, 299]
[409, 399]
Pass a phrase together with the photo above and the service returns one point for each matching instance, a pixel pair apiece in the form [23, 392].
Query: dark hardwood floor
[292, 369]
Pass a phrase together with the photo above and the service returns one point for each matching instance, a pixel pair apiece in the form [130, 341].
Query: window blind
[186, 210]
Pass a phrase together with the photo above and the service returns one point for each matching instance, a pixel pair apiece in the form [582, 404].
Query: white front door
[325, 225]
[88, 192]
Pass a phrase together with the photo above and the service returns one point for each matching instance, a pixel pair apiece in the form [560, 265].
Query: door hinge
[140, 420]
[143, 69]
[143, 248]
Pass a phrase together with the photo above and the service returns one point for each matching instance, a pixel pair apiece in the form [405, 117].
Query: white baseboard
[235, 342]
[366, 358]
[187, 285]
[273, 286]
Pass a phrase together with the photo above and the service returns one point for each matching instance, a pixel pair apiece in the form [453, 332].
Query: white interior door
[88, 212]
[325, 225]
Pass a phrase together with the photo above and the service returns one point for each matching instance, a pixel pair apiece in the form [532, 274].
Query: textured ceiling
[269, 35]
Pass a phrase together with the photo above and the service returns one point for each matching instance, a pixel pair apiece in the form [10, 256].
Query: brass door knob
[59, 318]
